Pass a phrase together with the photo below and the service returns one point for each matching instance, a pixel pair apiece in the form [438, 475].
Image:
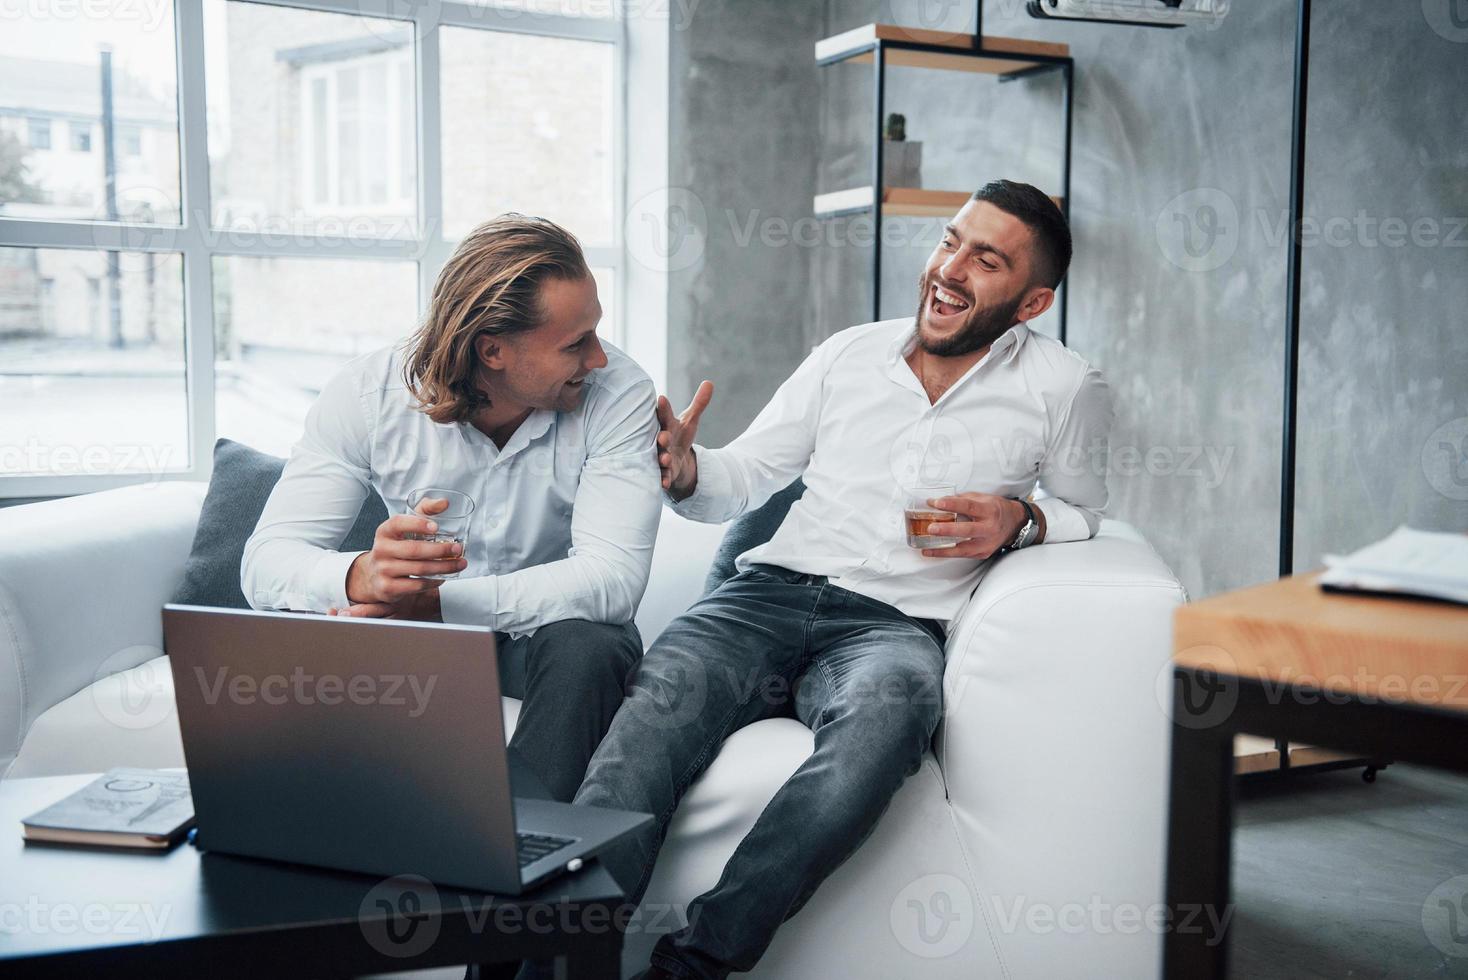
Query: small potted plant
[902, 158]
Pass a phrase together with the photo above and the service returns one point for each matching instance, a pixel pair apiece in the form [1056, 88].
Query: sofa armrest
[82, 580]
[1054, 744]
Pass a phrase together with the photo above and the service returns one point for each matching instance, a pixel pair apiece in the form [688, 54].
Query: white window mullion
[198, 264]
[619, 180]
[430, 159]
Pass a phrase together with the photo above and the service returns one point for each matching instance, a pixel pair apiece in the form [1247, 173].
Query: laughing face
[978, 282]
[546, 367]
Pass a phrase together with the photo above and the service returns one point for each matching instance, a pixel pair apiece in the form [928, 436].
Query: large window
[208, 206]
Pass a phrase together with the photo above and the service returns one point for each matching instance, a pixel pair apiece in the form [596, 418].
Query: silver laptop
[366, 745]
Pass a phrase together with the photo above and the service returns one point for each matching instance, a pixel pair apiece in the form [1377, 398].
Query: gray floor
[1333, 877]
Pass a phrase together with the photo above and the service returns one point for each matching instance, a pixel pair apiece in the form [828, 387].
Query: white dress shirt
[855, 421]
[566, 513]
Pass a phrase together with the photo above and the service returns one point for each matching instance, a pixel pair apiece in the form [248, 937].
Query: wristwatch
[1029, 531]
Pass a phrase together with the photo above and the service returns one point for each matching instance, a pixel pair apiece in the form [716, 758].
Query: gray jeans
[864, 677]
[570, 677]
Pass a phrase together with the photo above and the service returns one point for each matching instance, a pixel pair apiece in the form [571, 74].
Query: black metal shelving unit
[884, 45]
[1369, 766]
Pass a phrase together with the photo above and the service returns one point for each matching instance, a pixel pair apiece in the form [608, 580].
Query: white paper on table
[1428, 563]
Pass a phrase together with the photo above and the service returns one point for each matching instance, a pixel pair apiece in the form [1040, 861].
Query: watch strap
[1027, 531]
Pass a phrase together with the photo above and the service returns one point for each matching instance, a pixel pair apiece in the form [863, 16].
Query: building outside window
[324, 216]
[39, 133]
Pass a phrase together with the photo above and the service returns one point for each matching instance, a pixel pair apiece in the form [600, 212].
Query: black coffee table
[69, 911]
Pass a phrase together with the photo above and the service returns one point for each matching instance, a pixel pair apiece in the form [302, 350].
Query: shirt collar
[534, 426]
[1004, 348]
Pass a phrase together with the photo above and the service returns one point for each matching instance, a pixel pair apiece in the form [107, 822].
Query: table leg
[598, 958]
[1199, 827]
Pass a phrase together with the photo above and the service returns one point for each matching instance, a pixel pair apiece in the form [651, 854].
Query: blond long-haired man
[505, 393]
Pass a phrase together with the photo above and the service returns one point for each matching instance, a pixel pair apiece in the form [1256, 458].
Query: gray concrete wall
[1181, 165]
[743, 145]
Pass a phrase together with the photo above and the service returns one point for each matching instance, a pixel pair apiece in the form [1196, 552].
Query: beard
[985, 324]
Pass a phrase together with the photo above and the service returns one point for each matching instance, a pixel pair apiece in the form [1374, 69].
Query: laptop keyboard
[533, 847]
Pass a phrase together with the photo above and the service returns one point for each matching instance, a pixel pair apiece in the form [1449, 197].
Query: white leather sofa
[1029, 845]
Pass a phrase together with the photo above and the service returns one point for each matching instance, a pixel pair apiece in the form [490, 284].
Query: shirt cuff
[470, 601]
[1063, 522]
[710, 498]
[329, 580]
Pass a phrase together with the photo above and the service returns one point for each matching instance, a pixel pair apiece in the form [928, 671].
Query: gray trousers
[570, 678]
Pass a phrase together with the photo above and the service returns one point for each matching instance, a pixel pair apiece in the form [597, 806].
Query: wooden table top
[1393, 649]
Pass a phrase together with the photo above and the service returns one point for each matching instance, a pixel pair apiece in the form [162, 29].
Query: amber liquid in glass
[918, 519]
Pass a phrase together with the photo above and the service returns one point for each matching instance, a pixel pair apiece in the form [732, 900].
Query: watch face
[1023, 537]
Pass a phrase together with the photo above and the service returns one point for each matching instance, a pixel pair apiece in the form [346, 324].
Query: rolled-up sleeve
[614, 524]
[291, 561]
[1073, 472]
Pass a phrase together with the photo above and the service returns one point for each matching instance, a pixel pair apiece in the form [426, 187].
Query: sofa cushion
[242, 481]
[750, 531]
[128, 718]
[124, 719]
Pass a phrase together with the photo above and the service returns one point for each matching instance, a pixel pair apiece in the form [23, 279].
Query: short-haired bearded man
[836, 621]
[504, 393]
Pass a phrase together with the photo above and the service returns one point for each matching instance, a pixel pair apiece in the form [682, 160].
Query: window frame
[198, 241]
[79, 136]
[36, 125]
[330, 74]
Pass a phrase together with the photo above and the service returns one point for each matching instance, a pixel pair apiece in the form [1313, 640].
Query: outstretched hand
[676, 458]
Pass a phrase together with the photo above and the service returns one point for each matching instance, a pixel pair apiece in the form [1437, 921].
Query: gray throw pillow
[243, 479]
[750, 531]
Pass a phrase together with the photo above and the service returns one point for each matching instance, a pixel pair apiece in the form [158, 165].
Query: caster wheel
[1369, 775]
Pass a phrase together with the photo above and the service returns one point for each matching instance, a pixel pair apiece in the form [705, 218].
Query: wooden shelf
[907, 202]
[855, 46]
[1253, 753]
